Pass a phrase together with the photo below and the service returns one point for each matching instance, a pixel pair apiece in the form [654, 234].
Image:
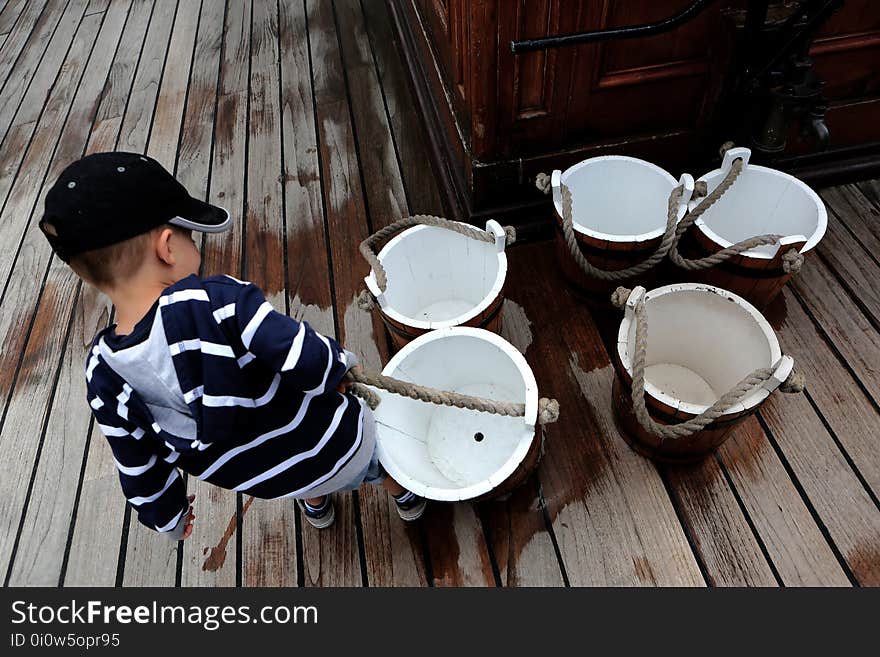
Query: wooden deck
[295, 116]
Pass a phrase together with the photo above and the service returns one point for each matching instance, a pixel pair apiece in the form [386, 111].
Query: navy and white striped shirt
[213, 381]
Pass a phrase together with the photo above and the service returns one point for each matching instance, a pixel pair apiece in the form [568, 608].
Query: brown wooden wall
[653, 97]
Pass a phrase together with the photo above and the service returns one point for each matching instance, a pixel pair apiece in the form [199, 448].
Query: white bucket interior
[439, 278]
[617, 198]
[763, 201]
[447, 453]
[702, 341]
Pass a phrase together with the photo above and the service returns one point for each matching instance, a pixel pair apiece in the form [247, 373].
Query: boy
[202, 375]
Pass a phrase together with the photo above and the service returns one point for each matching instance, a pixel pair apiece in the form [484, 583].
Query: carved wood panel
[517, 106]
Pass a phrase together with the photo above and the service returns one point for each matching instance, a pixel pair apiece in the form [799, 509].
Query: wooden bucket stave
[619, 208]
[687, 371]
[437, 279]
[761, 201]
[453, 454]
[489, 319]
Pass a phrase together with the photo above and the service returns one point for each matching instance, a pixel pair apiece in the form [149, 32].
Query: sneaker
[410, 506]
[319, 517]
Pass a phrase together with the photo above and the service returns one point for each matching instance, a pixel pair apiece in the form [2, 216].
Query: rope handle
[678, 198]
[548, 409]
[735, 159]
[494, 234]
[634, 301]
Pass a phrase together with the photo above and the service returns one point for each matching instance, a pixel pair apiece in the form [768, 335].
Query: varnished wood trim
[655, 73]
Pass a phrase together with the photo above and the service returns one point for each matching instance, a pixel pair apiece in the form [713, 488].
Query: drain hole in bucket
[478, 437]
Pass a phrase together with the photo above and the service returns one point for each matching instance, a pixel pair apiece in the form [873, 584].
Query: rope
[542, 182]
[794, 383]
[791, 259]
[666, 243]
[548, 409]
[365, 301]
[367, 246]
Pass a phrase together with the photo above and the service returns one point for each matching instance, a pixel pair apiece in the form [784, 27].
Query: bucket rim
[516, 457]
[485, 302]
[753, 400]
[811, 240]
[615, 237]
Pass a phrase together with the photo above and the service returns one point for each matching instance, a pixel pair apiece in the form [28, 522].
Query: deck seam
[840, 447]
[123, 556]
[39, 118]
[855, 378]
[45, 424]
[826, 534]
[742, 507]
[25, 44]
[373, 58]
[126, 522]
[36, 68]
[685, 526]
[843, 282]
[178, 571]
[39, 295]
[63, 352]
[358, 522]
[297, 525]
[123, 541]
[849, 230]
[17, 18]
[239, 500]
[548, 523]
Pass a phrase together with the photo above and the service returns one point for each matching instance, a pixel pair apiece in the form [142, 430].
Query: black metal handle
[630, 32]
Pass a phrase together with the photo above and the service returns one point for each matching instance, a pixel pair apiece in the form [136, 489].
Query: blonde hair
[110, 265]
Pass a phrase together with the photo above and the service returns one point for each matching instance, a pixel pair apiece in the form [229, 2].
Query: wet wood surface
[296, 117]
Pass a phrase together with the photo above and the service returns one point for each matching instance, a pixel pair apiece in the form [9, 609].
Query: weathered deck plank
[26, 38]
[97, 526]
[520, 542]
[850, 516]
[611, 515]
[34, 69]
[316, 138]
[39, 342]
[858, 275]
[457, 550]
[209, 555]
[335, 559]
[517, 528]
[841, 323]
[34, 131]
[47, 519]
[852, 207]
[419, 181]
[871, 189]
[393, 553]
[9, 15]
[793, 541]
[721, 535]
[151, 561]
[269, 530]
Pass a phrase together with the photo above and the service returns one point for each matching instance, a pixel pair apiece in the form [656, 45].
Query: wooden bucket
[702, 341]
[761, 201]
[451, 454]
[619, 214]
[437, 279]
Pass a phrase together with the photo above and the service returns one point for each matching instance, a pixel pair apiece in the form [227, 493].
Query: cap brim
[203, 217]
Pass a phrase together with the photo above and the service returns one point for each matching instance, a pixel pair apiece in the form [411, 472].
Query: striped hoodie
[215, 383]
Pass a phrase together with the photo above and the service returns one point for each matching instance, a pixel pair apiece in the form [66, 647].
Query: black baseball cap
[107, 198]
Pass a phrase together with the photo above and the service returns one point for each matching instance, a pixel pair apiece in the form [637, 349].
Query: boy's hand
[189, 519]
[346, 382]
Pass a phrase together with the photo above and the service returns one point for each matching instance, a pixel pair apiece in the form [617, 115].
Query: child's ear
[163, 247]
